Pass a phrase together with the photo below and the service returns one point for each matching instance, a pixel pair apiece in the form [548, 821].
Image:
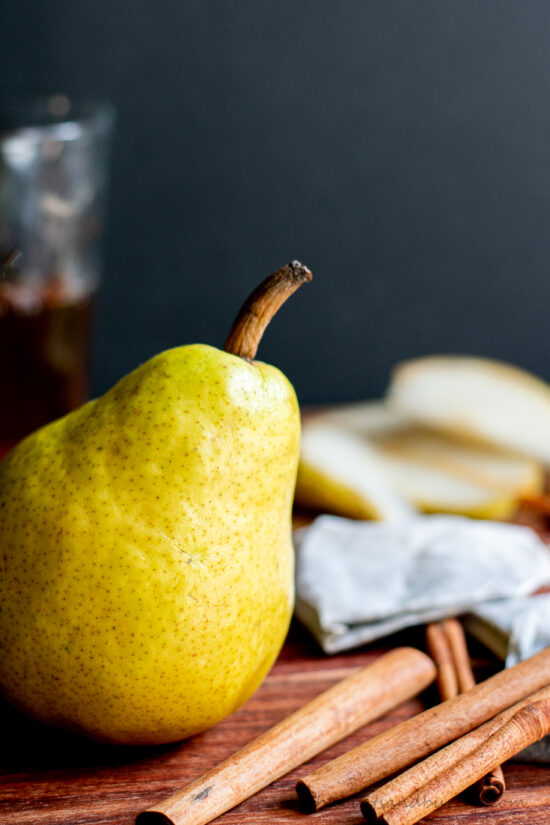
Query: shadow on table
[30, 745]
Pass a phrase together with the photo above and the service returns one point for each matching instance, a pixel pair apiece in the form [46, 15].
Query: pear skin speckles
[146, 564]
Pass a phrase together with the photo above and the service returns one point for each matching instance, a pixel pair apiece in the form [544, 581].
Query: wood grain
[52, 778]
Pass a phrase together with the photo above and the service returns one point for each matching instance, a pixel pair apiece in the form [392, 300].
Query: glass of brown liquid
[53, 178]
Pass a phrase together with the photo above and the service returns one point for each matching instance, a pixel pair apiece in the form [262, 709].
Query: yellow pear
[146, 560]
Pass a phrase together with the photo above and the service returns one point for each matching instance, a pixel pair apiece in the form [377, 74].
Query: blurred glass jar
[53, 179]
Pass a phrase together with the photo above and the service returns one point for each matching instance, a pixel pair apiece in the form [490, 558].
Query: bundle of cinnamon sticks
[446, 644]
[456, 744]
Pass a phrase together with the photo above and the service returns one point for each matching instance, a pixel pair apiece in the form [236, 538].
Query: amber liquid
[44, 359]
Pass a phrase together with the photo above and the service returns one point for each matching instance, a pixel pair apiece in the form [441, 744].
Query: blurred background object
[53, 171]
[399, 149]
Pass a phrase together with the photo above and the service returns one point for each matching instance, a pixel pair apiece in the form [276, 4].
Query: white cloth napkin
[358, 581]
[513, 629]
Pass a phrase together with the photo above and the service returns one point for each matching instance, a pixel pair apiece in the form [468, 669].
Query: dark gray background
[400, 149]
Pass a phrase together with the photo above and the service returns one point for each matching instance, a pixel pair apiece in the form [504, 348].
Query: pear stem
[260, 307]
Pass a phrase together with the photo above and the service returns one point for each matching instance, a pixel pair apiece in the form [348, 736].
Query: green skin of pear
[146, 560]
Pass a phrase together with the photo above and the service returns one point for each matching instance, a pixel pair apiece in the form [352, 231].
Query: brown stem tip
[260, 307]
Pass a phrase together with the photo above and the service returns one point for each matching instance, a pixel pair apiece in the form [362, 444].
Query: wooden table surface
[49, 777]
[53, 778]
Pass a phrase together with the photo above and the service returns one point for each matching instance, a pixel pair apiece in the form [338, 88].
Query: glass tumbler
[53, 178]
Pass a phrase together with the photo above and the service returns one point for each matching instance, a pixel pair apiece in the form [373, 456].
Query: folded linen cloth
[359, 581]
[513, 629]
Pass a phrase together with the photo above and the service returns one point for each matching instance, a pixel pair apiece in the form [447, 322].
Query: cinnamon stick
[438, 648]
[491, 787]
[375, 804]
[446, 644]
[419, 736]
[456, 639]
[358, 699]
[528, 725]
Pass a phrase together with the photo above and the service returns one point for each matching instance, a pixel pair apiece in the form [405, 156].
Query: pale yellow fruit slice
[432, 471]
[341, 473]
[439, 474]
[476, 398]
